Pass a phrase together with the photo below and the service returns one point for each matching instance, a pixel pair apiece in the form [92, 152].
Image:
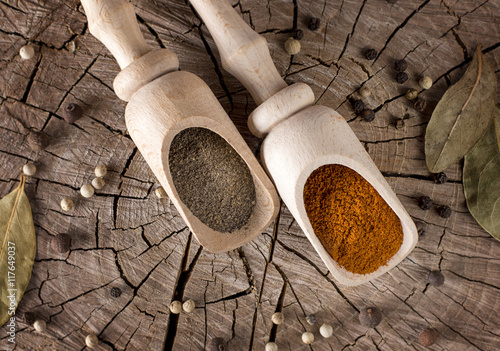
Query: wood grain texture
[125, 237]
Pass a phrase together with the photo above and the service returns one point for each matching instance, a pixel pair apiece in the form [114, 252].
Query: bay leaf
[462, 115]
[482, 179]
[17, 249]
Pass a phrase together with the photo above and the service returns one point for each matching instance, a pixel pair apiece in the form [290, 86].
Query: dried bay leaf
[482, 179]
[462, 115]
[17, 249]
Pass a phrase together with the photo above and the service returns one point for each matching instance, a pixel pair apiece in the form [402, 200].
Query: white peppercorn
[188, 306]
[425, 82]
[365, 92]
[100, 170]
[27, 52]
[71, 46]
[292, 46]
[161, 193]
[87, 190]
[40, 325]
[326, 330]
[67, 204]
[278, 318]
[271, 346]
[307, 338]
[176, 307]
[91, 340]
[29, 169]
[98, 183]
[411, 94]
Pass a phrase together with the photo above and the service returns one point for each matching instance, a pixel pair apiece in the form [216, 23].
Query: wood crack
[398, 28]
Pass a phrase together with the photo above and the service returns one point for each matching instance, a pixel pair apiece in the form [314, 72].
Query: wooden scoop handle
[244, 53]
[113, 22]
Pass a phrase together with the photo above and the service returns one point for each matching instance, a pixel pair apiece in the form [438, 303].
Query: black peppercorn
[371, 54]
[400, 65]
[29, 317]
[370, 317]
[115, 292]
[313, 23]
[419, 105]
[401, 77]
[425, 203]
[61, 243]
[37, 140]
[72, 113]
[297, 34]
[428, 337]
[444, 211]
[440, 178]
[357, 105]
[435, 278]
[399, 123]
[217, 344]
[367, 115]
[311, 319]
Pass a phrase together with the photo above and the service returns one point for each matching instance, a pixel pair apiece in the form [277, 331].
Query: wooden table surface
[125, 237]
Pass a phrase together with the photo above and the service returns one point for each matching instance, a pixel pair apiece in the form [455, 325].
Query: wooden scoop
[300, 137]
[164, 101]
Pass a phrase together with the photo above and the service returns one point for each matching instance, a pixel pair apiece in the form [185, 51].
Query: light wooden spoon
[164, 101]
[300, 137]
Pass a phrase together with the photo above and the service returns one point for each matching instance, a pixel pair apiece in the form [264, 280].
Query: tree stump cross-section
[125, 237]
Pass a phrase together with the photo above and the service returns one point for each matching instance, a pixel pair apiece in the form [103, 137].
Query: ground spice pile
[212, 179]
[355, 225]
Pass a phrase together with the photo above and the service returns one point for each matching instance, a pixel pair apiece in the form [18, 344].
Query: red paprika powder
[353, 222]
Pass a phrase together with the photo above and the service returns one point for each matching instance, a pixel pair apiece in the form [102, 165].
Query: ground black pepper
[297, 34]
[212, 179]
[371, 54]
[440, 178]
[367, 115]
[313, 23]
[400, 65]
[402, 77]
[425, 203]
[444, 211]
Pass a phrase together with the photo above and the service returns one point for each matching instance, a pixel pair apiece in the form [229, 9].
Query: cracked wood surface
[125, 237]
